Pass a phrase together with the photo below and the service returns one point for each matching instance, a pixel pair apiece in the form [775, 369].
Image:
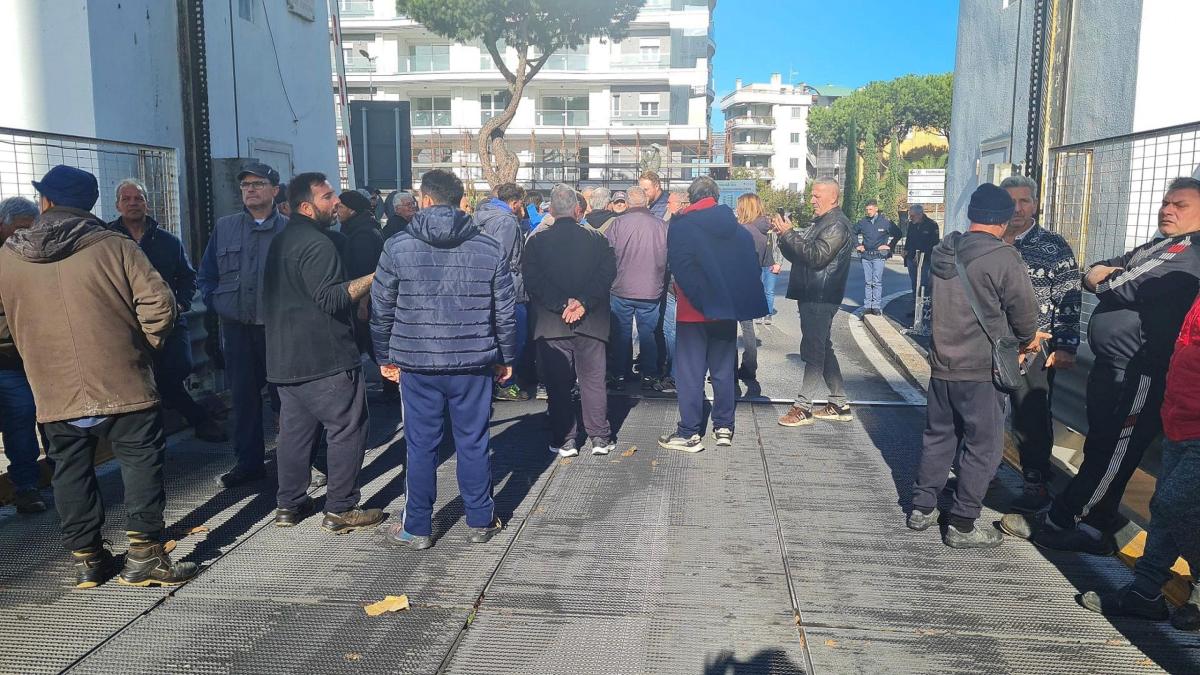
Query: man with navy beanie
[92, 374]
[965, 407]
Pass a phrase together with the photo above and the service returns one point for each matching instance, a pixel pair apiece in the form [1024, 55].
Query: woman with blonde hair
[753, 217]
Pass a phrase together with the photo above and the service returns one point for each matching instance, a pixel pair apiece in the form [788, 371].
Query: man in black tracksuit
[965, 407]
[1144, 296]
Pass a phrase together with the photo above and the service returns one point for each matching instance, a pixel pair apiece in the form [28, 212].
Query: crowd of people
[462, 305]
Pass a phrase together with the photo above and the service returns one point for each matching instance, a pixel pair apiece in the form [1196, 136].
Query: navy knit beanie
[355, 201]
[990, 205]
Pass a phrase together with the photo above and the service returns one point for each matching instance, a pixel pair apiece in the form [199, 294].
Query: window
[649, 109]
[795, 138]
[797, 111]
[794, 163]
[493, 104]
[649, 52]
[568, 59]
[485, 57]
[428, 58]
[616, 105]
[353, 44]
[433, 111]
[563, 111]
[246, 9]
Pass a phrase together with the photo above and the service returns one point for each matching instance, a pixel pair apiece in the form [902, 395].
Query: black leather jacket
[820, 256]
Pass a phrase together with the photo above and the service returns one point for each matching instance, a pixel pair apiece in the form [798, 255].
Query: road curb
[913, 363]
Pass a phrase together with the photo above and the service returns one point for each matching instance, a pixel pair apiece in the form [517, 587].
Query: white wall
[1166, 92]
[299, 55]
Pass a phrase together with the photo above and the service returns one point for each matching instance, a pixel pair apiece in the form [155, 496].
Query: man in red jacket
[1175, 508]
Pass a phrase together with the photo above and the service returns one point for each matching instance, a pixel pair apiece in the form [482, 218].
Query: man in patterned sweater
[1055, 277]
[1144, 296]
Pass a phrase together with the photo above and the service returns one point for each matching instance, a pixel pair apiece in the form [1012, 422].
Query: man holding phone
[1056, 279]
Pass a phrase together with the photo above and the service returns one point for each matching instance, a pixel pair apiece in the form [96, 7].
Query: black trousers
[1124, 416]
[564, 361]
[139, 447]
[339, 404]
[968, 413]
[1032, 424]
[245, 349]
[171, 370]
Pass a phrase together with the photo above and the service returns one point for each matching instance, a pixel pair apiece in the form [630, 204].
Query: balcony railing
[753, 148]
[745, 121]
[638, 121]
[356, 63]
[430, 118]
[637, 62]
[562, 118]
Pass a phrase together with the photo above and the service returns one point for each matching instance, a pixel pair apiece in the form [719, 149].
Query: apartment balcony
[753, 148]
[764, 172]
[356, 8]
[751, 122]
[357, 63]
[638, 62]
[639, 121]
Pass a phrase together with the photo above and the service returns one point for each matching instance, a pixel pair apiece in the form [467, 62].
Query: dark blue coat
[442, 301]
[713, 260]
[166, 253]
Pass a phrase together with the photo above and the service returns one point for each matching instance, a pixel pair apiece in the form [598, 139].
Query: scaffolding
[565, 155]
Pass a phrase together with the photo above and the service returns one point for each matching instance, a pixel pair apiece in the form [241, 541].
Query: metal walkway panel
[500, 641]
[219, 636]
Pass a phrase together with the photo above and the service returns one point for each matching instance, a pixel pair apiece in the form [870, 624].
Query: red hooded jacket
[1181, 405]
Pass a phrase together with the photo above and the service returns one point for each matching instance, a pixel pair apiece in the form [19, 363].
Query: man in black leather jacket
[820, 255]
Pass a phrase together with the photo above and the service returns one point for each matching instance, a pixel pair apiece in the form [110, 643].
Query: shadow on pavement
[765, 662]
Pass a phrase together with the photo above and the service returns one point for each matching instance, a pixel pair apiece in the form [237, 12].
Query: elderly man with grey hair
[1056, 282]
[568, 270]
[18, 415]
[922, 236]
[718, 283]
[173, 363]
[639, 241]
[599, 215]
[403, 207]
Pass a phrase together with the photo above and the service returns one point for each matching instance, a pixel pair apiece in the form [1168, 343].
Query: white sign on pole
[926, 186]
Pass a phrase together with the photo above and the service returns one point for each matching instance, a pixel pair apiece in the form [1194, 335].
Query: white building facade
[766, 131]
[594, 115]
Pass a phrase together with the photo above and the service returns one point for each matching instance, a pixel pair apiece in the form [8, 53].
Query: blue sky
[846, 42]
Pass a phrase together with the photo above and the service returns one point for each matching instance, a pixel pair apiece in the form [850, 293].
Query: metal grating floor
[639, 562]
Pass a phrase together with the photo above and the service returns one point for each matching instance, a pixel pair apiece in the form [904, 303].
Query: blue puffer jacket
[442, 301]
[713, 259]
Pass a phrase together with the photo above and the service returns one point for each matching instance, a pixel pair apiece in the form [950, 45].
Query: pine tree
[869, 189]
[850, 189]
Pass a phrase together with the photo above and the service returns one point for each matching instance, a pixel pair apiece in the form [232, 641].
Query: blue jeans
[18, 419]
[469, 398]
[624, 312]
[873, 274]
[669, 332]
[768, 281]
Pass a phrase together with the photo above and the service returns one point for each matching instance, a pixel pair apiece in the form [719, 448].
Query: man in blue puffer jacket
[442, 313]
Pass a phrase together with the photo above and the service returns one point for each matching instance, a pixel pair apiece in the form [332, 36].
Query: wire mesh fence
[1103, 196]
[26, 156]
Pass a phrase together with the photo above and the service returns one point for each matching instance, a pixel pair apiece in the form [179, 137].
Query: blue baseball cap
[261, 170]
[67, 186]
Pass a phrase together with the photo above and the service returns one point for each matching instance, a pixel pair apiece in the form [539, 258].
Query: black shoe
[1187, 617]
[921, 521]
[29, 501]
[292, 517]
[510, 393]
[614, 382]
[240, 476]
[93, 567]
[1034, 498]
[482, 535]
[976, 537]
[1074, 540]
[210, 431]
[151, 566]
[665, 385]
[745, 375]
[1125, 602]
[602, 446]
[349, 521]
[319, 480]
[648, 383]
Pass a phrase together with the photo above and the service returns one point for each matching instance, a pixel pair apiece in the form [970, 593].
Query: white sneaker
[602, 446]
[568, 449]
[723, 436]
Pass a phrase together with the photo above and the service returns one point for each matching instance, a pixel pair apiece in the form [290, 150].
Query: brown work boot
[149, 565]
[796, 417]
[354, 519]
[831, 412]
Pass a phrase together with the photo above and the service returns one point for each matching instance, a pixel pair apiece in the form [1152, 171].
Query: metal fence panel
[26, 156]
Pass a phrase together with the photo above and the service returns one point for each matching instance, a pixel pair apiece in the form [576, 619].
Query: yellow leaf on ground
[392, 603]
[353, 656]
[629, 453]
[169, 545]
[198, 529]
[565, 460]
[831, 643]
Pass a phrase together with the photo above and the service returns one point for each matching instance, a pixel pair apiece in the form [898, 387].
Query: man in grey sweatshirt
[961, 385]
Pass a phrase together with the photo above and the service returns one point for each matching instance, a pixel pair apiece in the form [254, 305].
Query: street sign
[732, 189]
[927, 186]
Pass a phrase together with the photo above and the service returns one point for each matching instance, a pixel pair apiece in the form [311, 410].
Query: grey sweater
[960, 350]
